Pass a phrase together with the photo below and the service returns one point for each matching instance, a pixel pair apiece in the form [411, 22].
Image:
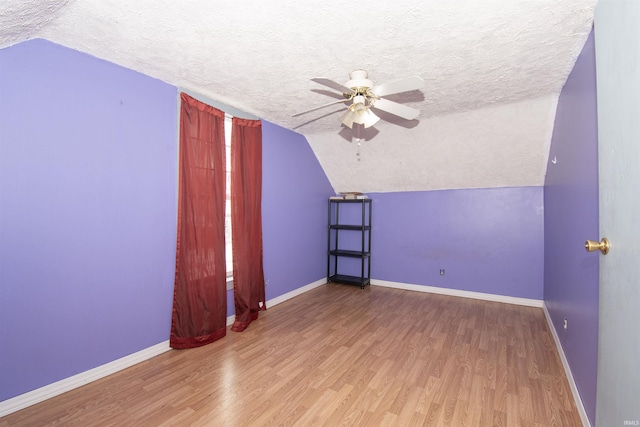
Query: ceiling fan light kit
[359, 112]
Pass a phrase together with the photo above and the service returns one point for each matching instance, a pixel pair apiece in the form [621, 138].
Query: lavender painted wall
[92, 188]
[294, 211]
[571, 216]
[487, 240]
[87, 213]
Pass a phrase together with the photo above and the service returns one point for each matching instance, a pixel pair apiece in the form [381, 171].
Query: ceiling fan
[364, 95]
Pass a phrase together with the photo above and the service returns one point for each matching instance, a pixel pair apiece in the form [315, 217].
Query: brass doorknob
[603, 245]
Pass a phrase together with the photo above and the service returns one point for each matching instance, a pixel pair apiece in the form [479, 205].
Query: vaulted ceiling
[493, 71]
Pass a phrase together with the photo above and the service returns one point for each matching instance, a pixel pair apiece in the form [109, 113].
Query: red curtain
[246, 221]
[199, 298]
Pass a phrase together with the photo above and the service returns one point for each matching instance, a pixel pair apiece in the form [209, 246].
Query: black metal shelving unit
[336, 251]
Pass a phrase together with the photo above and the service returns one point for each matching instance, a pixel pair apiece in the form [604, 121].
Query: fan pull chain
[358, 144]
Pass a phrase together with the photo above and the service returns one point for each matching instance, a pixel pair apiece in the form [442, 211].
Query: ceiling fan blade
[396, 109]
[321, 106]
[397, 86]
[332, 84]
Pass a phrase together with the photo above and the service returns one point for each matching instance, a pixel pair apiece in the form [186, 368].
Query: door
[617, 41]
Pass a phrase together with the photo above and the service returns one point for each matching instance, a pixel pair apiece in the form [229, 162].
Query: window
[227, 207]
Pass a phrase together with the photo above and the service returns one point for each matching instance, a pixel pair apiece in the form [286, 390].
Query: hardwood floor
[339, 355]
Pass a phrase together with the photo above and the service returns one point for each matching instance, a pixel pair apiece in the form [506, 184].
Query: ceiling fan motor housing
[359, 81]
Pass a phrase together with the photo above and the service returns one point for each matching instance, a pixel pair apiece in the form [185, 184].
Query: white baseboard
[567, 370]
[231, 319]
[458, 293]
[43, 393]
[508, 300]
[31, 398]
[294, 293]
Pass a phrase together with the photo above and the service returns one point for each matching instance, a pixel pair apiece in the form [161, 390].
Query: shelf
[350, 227]
[349, 280]
[350, 200]
[358, 225]
[348, 253]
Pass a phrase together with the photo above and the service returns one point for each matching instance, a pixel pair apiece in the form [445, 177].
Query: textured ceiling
[493, 71]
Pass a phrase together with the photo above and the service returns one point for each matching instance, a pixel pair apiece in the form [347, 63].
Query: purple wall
[294, 211]
[92, 187]
[571, 217]
[487, 240]
[88, 213]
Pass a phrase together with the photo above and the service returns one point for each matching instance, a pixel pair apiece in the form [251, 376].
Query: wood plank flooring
[342, 356]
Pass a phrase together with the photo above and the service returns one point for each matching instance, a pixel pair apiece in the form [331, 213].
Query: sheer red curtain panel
[200, 301]
[246, 221]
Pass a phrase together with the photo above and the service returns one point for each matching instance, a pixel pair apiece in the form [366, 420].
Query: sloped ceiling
[493, 72]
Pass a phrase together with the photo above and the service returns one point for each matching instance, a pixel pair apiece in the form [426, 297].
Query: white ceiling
[493, 71]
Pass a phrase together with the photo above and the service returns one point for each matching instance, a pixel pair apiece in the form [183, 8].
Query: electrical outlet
[442, 271]
[266, 283]
[566, 324]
